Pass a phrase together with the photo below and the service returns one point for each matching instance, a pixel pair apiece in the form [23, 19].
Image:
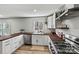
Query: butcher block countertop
[12, 35]
[54, 37]
[42, 34]
[17, 34]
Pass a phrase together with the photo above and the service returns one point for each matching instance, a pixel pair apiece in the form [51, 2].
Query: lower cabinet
[16, 42]
[10, 45]
[6, 47]
[39, 39]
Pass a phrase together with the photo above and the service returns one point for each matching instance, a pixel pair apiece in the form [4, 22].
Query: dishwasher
[27, 39]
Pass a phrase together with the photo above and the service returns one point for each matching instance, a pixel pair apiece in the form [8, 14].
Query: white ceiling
[26, 10]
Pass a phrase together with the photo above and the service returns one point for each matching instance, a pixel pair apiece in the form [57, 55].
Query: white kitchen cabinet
[51, 21]
[16, 42]
[10, 45]
[6, 47]
[39, 40]
[20, 40]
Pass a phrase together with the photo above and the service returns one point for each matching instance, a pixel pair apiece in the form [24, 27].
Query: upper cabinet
[51, 21]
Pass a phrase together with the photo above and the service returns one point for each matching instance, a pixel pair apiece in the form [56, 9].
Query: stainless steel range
[73, 41]
[64, 48]
[61, 47]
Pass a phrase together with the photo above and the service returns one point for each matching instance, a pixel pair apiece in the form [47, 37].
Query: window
[4, 29]
[38, 26]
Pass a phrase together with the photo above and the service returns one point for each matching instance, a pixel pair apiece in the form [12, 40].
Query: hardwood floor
[28, 49]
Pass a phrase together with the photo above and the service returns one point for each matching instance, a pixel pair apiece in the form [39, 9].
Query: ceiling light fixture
[35, 10]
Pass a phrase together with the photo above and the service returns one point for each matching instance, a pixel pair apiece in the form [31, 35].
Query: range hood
[72, 13]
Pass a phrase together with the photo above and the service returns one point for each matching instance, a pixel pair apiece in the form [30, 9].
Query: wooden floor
[28, 49]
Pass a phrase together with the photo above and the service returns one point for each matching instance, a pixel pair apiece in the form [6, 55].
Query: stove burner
[64, 48]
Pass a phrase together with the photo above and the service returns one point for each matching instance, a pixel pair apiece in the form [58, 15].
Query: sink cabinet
[39, 39]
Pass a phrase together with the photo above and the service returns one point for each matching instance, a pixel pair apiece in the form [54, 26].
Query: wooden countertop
[12, 35]
[54, 37]
[41, 34]
[17, 34]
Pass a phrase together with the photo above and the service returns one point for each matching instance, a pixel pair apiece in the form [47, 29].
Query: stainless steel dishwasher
[27, 39]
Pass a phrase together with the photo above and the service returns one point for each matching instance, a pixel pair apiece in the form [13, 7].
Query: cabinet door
[34, 40]
[21, 40]
[14, 43]
[17, 42]
[46, 40]
[42, 40]
[6, 47]
[50, 22]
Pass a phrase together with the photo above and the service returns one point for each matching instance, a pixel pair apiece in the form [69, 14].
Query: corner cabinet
[51, 21]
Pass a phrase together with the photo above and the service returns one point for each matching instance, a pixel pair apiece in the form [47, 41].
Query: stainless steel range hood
[72, 13]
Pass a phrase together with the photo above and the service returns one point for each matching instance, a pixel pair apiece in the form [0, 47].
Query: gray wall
[25, 23]
[73, 25]
[29, 24]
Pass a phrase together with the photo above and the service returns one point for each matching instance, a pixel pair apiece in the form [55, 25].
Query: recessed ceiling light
[35, 10]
